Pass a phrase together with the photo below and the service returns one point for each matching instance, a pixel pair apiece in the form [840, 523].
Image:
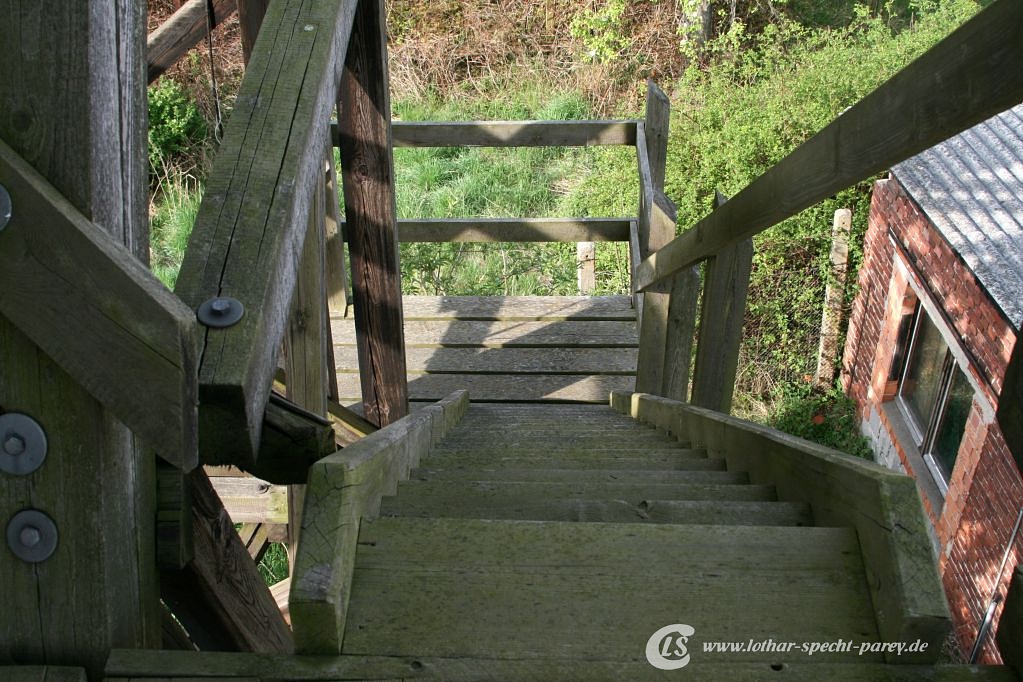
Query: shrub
[175, 123]
[822, 415]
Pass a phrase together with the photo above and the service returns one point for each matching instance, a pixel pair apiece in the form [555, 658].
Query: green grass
[172, 215]
[507, 182]
[274, 565]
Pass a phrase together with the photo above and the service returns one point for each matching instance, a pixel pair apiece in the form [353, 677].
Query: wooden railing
[971, 75]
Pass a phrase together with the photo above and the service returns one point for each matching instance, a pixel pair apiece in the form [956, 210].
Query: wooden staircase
[551, 533]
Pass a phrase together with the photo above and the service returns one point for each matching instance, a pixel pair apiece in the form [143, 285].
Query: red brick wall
[985, 490]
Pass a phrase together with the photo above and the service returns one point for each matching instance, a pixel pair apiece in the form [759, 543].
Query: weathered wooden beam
[656, 228]
[250, 19]
[251, 500]
[585, 263]
[974, 73]
[344, 489]
[99, 312]
[182, 30]
[514, 230]
[252, 222]
[72, 83]
[722, 314]
[511, 133]
[368, 180]
[173, 517]
[219, 597]
[684, 299]
[349, 427]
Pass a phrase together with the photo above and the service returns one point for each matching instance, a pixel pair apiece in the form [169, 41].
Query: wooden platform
[573, 349]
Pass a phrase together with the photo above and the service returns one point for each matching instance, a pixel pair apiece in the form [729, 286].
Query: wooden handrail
[181, 31]
[974, 73]
[514, 230]
[253, 220]
[509, 133]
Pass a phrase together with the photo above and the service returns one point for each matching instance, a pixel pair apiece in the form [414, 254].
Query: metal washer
[39, 528]
[17, 425]
[220, 312]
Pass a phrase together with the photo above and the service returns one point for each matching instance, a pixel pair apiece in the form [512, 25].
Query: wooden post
[98, 590]
[834, 295]
[683, 301]
[308, 336]
[250, 18]
[726, 282]
[652, 151]
[585, 260]
[368, 179]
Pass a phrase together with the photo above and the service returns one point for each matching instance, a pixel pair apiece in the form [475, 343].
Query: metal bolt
[22, 444]
[219, 312]
[14, 445]
[309, 27]
[30, 536]
[6, 207]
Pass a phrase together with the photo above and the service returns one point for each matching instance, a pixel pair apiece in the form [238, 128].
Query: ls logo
[666, 648]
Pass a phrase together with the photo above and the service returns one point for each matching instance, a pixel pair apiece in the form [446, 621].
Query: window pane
[953, 422]
[922, 382]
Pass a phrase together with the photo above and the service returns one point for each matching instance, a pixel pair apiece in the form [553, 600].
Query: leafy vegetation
[176, 126]
[823, 415]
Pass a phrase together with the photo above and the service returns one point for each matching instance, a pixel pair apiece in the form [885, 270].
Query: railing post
[726, 282]
[79, 573]
[307, 341]
[368, 178]
[652, 150]
[585, 257]
[250, 18]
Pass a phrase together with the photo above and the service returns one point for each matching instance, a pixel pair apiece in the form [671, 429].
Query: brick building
[939, 309]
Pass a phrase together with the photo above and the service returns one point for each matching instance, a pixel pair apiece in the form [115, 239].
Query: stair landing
[530, 349]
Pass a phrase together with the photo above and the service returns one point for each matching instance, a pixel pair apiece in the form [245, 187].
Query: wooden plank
[93, 300]
[502, 334]
[182, 30]
[512, 133]
[307, 342]
[947, 90]
[652, 234]
[723, 312]
[252, 222]
[307, 668]
[280, 592]
[173, 517]
[250, 19]
[343, 489]
[683, 302]
[368, 180]
[251, 500]
[337, 270]
[524, 588]
[507, 360]
[518, 308]
[255, 537]
[220, 598]
[514, 230]
[506, 387]
[73, 91]
[42, 673]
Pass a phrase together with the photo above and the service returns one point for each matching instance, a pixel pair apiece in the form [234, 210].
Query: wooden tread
[556, 591]
[522, 349]
[428, 473]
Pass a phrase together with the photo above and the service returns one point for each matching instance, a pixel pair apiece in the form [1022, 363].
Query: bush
[176, 125]
[822, 415]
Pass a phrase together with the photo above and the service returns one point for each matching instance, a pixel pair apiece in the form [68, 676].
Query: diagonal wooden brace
[88, 303]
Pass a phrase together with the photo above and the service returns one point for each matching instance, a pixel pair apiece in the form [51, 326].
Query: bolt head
[30, 536]
[14, 444]
[220, 306]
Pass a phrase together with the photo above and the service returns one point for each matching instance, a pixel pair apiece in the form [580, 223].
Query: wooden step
[431, 473]
[680, 460]
[514, 440]
[506, 333]
[501, 387]
[490, 491]
[600, 509]
[597, 592]
[518, 308]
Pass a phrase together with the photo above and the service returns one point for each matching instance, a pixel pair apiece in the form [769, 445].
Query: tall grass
[172, 213]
